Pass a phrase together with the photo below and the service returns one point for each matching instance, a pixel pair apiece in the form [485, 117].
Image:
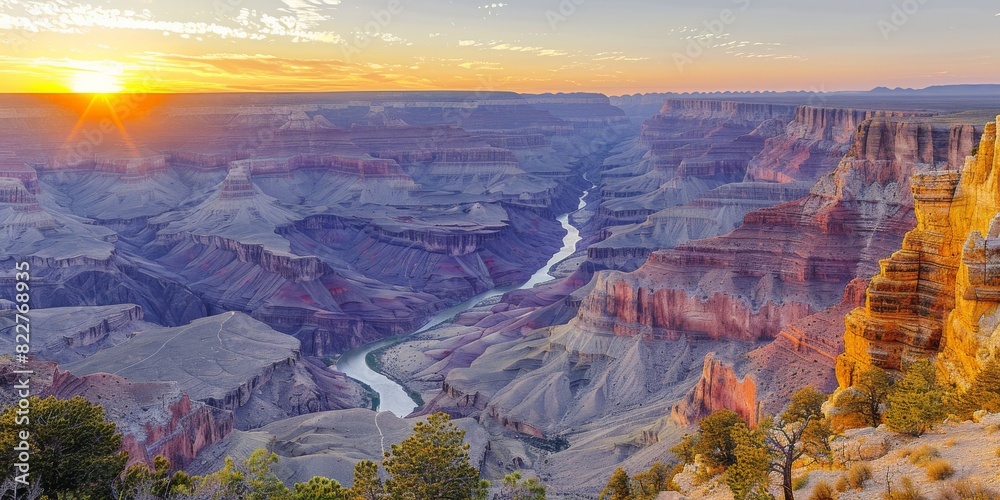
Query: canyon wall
[155, 418]
[937, 296]
[779, 283]
[781, 158]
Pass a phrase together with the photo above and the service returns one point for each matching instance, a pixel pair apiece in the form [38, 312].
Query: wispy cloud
[311, 10]
[70, 17]
[481, 65]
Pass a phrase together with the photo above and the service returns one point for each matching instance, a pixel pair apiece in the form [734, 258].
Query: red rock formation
[155, 418]
[616, 305]
[718, 389]
[733, 112]
[804, 353]
[769, 278]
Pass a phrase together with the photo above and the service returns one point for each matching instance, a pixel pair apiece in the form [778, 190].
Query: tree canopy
[74, 450]
[433, 462]
[916, 403]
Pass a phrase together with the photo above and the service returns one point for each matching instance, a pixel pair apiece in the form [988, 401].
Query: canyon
[620, 357]
[935, 298]
[214, 264]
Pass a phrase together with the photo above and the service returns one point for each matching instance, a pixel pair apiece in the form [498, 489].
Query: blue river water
[392, 397]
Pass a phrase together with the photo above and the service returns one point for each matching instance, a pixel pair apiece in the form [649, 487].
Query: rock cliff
[230, 362]
[768, 299]
[785, 262]
[155, 418]
[718, 388]
[936, 297]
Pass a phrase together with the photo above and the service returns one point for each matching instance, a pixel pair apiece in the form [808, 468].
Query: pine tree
[801, 430]
[983, 393]
[262, 483]
[320, 488]
[747, 476]
[516, 489]
[252, 479]
[868, 395]
[618, 487]
[916, 403]
[715, 444]
[74, 451]
[648, 484]
[432, 463]
[685, 450]
[142, 482]
[367, 484]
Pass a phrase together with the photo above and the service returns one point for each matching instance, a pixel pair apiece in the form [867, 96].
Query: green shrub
[916, 403]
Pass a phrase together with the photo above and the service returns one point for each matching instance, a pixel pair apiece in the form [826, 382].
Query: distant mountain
[938, 90]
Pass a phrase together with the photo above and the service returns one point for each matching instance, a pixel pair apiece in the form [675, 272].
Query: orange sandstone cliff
[938, 296]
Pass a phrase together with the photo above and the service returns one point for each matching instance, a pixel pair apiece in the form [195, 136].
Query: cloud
[310, 10]
[69, 18]
[481, 65]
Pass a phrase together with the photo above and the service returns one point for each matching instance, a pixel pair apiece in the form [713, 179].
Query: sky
[611, 46]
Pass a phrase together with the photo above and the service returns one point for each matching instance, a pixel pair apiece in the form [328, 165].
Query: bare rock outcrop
[230, 362]
[155, 418]
[935, 297]
[785, 262]
[718, 389]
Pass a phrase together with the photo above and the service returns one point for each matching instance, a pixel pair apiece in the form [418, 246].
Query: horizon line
[549, 92]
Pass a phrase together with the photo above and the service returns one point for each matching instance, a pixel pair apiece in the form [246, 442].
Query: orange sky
[614, 47]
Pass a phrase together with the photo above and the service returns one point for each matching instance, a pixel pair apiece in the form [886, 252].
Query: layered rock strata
[230, 362]
[936, 297]
[155, 418]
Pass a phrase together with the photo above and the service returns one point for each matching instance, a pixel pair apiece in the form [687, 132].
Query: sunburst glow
[93, 82]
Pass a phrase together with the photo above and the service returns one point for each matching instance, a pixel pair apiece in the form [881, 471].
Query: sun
[94, 82]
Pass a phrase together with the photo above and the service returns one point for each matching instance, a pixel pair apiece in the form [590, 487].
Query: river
[392, 397]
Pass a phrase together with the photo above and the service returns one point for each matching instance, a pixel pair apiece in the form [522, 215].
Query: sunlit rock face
[816, 138]
[936, 297]
[703, 181]
[768, 299]
[785, 262]
[718, 389]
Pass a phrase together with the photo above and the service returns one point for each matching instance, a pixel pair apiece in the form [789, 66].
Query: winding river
[392, 396]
